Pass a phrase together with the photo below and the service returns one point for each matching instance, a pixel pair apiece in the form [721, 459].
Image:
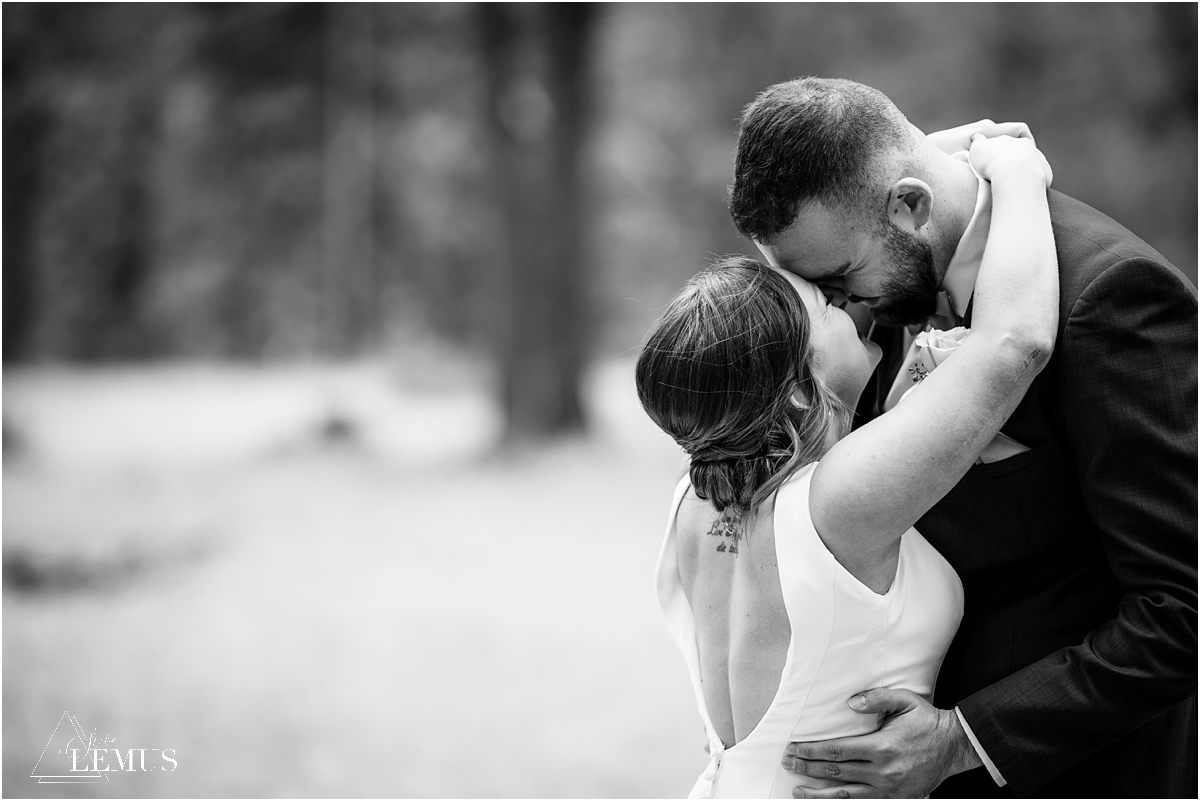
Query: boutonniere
[929, 349]
[933, 348]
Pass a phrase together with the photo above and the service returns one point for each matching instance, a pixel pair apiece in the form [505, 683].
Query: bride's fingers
[1017, 130]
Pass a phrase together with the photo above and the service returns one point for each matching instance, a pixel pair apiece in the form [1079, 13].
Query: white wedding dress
[845, 639]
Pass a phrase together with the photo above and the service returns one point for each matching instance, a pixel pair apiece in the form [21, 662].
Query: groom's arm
[1127, 397]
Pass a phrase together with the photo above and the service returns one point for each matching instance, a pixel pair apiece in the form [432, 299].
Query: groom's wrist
[992, 770]
[961, 751]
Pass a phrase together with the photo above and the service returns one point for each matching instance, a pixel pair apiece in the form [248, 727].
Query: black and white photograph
[599, 400]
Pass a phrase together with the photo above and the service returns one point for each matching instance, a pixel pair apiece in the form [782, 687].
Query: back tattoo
[729, 528]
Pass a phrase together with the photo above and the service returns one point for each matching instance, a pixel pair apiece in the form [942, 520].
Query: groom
[1073, 673]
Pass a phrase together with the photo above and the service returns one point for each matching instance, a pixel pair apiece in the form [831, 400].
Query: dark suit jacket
[1075, 664]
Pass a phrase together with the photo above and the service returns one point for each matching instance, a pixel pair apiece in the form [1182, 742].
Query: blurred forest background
[278, 279]
[279, 182]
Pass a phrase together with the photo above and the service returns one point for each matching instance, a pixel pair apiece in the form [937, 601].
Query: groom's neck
[956, 191]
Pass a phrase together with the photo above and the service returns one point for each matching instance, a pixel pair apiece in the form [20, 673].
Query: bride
[791, 576]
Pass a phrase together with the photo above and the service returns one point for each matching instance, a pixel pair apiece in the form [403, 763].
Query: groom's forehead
[819, 245]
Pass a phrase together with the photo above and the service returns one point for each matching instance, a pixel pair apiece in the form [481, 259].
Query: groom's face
[886, 268]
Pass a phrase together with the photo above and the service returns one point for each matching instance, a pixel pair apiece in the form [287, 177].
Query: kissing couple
[1026, 401]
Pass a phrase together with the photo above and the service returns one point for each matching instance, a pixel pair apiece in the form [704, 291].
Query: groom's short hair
[812, 139]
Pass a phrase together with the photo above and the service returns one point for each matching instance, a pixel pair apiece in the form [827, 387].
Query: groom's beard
[910, 287]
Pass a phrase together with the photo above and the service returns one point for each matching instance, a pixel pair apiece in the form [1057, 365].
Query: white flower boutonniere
[929, 349]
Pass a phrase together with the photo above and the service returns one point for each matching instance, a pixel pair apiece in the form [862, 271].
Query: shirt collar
[961, 272]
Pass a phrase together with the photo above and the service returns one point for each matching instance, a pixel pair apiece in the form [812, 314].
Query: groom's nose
[836, 297]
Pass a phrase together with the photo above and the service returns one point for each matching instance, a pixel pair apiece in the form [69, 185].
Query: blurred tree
[78, 229]
[347, 290]
[26, 121]
[250, 211]
[536, 59]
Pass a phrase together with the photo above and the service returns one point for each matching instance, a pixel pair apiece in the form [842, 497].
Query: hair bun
[730, 481]
[723, 453]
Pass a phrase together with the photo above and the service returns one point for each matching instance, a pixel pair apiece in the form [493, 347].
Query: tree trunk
[347, 311]
[124, 333]
[26, 125]
[537, 97]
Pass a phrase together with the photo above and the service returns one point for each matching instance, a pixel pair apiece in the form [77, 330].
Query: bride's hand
[955, 140]
[1002, 154]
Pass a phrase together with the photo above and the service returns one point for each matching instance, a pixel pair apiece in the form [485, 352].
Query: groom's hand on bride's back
[916, 749]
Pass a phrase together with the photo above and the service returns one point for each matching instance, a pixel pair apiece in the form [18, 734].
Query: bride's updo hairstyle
[726, 371]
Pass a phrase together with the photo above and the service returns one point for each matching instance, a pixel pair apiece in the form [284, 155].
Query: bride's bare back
[742, 627]
[730, 575]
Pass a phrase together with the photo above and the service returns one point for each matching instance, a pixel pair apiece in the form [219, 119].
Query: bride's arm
[876, 482]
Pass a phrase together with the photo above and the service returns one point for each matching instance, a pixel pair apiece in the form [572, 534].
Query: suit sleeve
[1126, 395]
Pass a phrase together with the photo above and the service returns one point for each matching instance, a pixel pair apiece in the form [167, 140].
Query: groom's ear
[910, 203]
